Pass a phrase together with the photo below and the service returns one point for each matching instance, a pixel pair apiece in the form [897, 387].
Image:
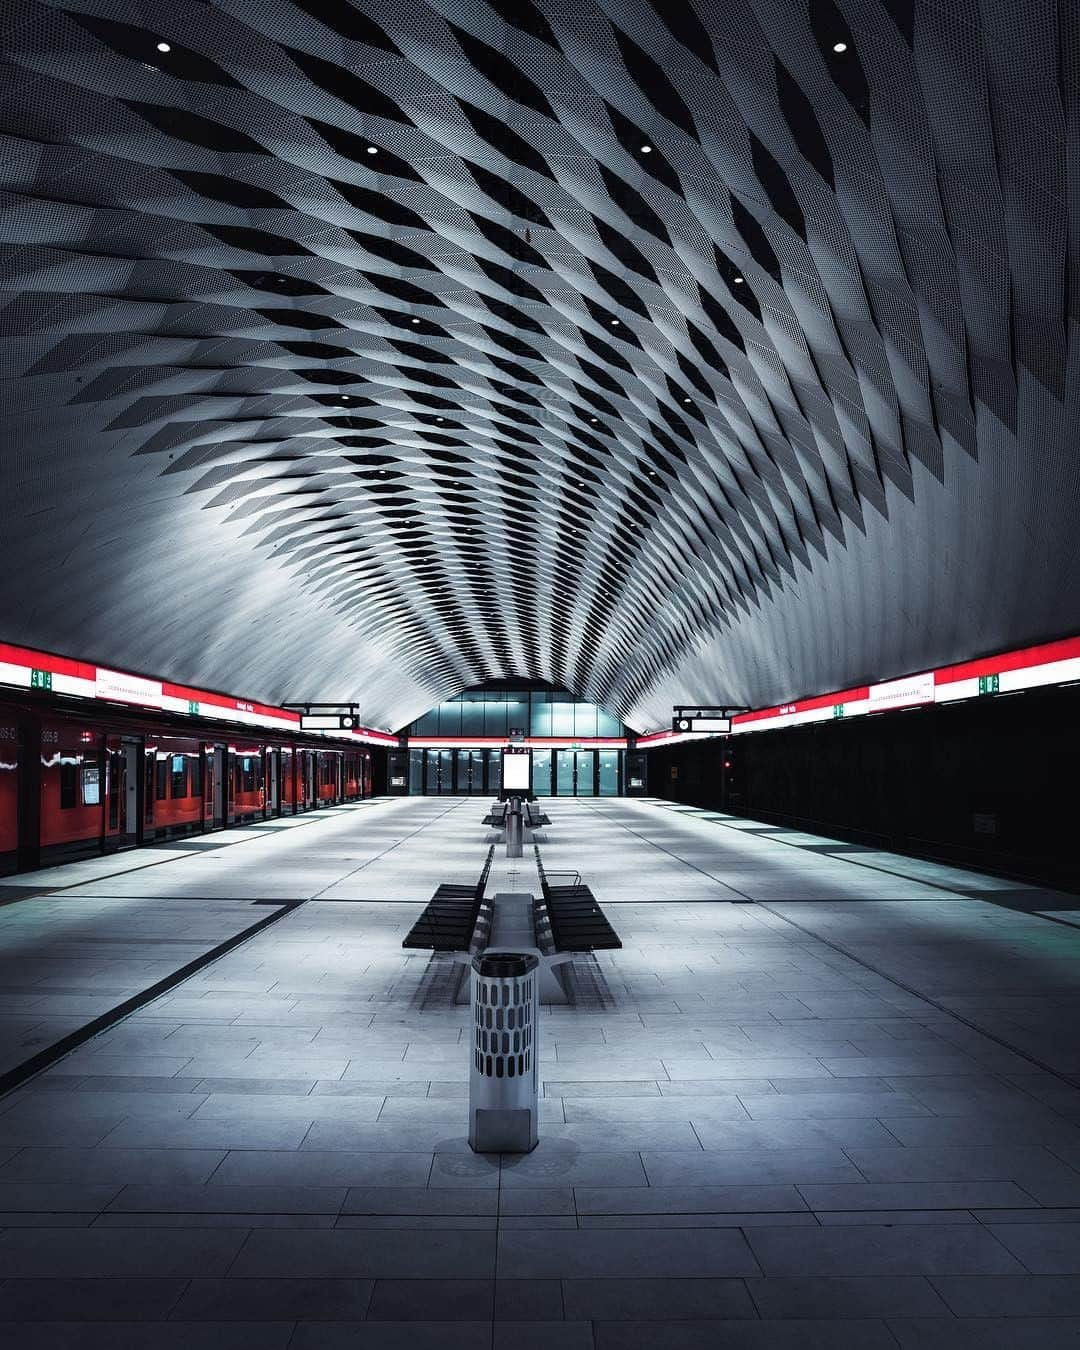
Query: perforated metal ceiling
[655, 348]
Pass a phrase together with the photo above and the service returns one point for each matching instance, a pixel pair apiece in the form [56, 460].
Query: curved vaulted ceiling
[670, 350]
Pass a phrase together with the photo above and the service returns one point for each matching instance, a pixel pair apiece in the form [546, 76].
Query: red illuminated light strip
[24, 668]
[1008, 672]
[529, 742]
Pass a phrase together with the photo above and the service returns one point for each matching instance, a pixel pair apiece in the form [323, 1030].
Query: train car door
[133, 755]
[273, 782]
[214, 795]
[122, 824]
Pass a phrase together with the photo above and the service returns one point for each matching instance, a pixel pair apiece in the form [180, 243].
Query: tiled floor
[821, 1099]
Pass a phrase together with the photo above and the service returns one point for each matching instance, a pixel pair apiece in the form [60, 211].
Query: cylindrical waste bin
[503, 1076]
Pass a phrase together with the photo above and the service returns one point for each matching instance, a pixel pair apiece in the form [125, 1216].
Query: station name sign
[700, 721]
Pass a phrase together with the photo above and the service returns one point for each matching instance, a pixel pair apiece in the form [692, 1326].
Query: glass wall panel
[494, 771]
[472, 715]
[585, 773]
[431, 771]
[541, 718]
[428, 725]
[450, 718]
[464, 772]
[562, 719]
[541, 772]
[608, 773]
[607, 724]
[495, 715]
[584, 719]
[416, 771]
[517, 713]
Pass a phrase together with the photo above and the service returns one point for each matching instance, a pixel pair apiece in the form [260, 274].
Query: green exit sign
[41, 679]
[989, 684]
[193, 707]
[838, 710]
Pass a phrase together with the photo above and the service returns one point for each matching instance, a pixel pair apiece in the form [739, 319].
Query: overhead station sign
[700, 720]
[712, 726]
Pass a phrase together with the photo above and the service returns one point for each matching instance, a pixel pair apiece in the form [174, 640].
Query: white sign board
[114, 684]
[516, 772]
[898, 693]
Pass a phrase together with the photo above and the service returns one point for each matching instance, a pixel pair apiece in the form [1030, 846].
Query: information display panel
[516, 771]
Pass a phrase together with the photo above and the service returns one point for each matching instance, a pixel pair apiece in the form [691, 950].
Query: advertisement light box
[516, 771]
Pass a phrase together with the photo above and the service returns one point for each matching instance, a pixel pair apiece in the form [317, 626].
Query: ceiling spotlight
[164, 47]
[839, 47]
[373, 149]
[686, 400]
[646, 149]
[738, 280]
[414, 320]
[594, 419]
[440, 419]
[615, 323]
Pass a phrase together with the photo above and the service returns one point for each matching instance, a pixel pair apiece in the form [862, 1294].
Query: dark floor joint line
[52, 1054]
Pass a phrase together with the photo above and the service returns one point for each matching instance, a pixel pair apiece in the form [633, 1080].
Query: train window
[179, 776]
[247, 774]
[69, 783]
[196, 776]
[161, 786]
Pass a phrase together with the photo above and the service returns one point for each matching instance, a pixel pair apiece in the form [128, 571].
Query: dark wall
[992, 782]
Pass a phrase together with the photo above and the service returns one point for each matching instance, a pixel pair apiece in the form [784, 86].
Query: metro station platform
[822, 1097]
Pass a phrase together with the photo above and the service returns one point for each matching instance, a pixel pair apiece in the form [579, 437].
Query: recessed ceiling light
[615, 323]
[373, 149]
[164, 47]
[839, 47]
[686, 400]
[415, 321]
[738, 281]
[594, 419]
[646, 149]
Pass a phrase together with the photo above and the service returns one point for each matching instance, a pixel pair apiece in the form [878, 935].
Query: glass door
[584, 773]
[494, 771]
[541, 773]
[444, 772]
[564, 773]
[608, 763]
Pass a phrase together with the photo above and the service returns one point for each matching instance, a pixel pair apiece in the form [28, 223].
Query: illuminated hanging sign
[702, 726]
[327, 722]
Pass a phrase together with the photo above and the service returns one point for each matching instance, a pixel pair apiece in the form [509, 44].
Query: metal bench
[534, 817]
[568, 917]
[451, 916]
[497, 815]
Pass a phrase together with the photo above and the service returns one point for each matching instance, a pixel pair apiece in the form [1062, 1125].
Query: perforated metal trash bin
[503, 1077]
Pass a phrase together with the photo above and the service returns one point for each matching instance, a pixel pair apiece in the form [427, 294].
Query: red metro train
[75, 781]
